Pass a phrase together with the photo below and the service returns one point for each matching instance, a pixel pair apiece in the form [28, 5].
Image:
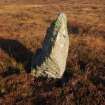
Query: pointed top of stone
[62, 17]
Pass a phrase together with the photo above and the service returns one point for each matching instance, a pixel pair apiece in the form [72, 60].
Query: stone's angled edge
[50, 61]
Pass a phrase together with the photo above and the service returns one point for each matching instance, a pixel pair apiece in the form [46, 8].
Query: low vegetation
[22, 31]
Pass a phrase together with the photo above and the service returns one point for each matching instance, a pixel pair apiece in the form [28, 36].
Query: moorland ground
[23, 26]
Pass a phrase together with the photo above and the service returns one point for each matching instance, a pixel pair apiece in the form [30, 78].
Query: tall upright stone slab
[50, 61]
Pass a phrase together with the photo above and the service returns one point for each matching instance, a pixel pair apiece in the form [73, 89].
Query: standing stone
[50, 61]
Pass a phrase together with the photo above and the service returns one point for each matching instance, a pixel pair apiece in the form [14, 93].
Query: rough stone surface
[50, 61]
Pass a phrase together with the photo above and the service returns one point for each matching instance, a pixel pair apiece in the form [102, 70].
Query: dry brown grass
[22, 30]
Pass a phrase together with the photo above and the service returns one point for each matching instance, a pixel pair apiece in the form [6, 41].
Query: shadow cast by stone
[16, 50]
[21, 54]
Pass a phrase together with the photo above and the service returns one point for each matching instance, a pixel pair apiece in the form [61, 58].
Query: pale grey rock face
[50, 61]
